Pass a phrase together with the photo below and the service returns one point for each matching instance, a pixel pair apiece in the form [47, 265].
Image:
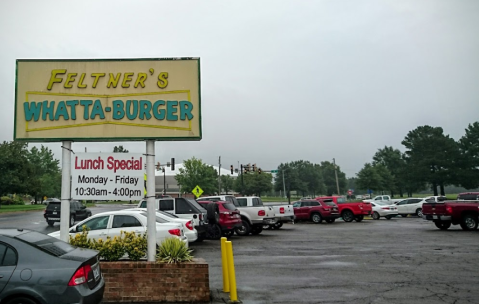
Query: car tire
[72, 220]
[316, 218]
[469, 222]
[404, 215]
[330, 221]
[376, 216]
[442, 225]
[347, 216]
[214, 232]
[419, 212]
[21, 300]
[359, 218]
[50, 223]
[212, 213]
[244, 229]
[256, 229]
[388, 217]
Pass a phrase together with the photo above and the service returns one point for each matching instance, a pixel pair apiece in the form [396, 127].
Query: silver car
[38, 269]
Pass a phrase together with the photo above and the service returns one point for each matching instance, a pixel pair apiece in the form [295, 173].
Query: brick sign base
[149, 282]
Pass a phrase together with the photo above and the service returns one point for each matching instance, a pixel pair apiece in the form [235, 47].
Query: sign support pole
[66, 191]
[150, 200]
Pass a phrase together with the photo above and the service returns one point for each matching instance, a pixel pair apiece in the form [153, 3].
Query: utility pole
[284, 185]
[336, 174]
[219, 175]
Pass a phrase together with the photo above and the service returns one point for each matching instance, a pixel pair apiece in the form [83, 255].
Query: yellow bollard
[224, 263]
[231, 271]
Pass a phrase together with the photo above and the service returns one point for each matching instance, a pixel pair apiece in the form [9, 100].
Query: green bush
[173, 250]
[136, 246]
[6, 200]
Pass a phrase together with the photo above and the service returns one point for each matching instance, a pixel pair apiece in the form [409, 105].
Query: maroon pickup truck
[315, 211]
[445, 213]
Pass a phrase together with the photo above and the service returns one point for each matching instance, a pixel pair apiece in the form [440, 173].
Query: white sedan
[111, 224]
[165, 217]
[410, 206]
[384, 209]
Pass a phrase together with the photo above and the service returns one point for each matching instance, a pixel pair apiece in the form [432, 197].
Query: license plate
[96, 272]
[54, 212]
[53, 219]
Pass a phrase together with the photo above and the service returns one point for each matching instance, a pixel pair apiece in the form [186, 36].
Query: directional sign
[274, 171]
[197, 191]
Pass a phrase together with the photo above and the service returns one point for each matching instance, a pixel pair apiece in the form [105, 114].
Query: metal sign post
[150, 200]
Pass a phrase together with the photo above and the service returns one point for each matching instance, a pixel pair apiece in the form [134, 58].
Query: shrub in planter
[173, 250]
[136, 246]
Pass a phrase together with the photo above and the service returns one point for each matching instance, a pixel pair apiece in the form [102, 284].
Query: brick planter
[149, 282]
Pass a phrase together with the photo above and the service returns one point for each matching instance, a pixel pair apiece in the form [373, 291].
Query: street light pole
[336, 174]
[164, 181]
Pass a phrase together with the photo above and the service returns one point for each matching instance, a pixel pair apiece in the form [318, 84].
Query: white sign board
[107, 176]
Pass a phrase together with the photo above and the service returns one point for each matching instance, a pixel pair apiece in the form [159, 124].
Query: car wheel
[330, 221]
[21, 300]
[376, 216]
[442, 225]
[244, 229]
[419, 212]
[50, 223]
[278, 225]
[257, 229]
[469, 222]
[212, 213]
[88, 214]
[404, 215]
[316, 218]
[359, 218]
[388, 217]
[214, 231]
[72, 220]
[347, 216]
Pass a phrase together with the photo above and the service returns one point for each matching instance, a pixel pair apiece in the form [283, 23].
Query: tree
[227, 183]
[431, 156]
[16, 170]
[392, 160]
[468, 175]
[196, 173]
[368, 178]
[119, 149]
[45, 178]
[329, 177]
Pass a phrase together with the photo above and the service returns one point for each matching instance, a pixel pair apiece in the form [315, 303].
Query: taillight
[281, 210]
[449, 209]
[176, 232]
[189, 225]
[80, 276]
[385, 208]
[261, 213]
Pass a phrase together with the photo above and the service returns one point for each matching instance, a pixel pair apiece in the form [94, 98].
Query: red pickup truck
[316, 210]
[350, 211]
[445, 213]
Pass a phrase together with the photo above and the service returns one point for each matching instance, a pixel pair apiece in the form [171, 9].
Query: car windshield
[195, 203]
[329, 202]
[46, 243]
[341, 200]
[158, 219]
[166, 214]
[297, 204]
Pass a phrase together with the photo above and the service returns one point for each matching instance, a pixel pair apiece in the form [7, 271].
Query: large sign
[107, 176]
[98, 100]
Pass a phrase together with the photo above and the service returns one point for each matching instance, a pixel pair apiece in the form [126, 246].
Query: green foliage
[45, 175]
[15, 200]
[468, 176]
[173, 250]
[16, 170]
[253, 183]
[114, 248]
[227, 183]
[195, 172]
[119, 149]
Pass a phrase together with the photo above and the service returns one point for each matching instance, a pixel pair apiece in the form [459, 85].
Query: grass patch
[19, 208]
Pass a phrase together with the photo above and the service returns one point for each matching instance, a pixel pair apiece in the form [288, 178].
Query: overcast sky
[280, 80]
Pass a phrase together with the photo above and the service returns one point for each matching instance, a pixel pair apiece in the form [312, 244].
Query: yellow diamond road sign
[197, 191]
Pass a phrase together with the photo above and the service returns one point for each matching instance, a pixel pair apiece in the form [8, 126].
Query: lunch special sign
[108, 99]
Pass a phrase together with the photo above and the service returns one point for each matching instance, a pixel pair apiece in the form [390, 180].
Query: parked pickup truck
[350, 211]
[316, 210]
[383, 198]
[253, 214]
[447, 213]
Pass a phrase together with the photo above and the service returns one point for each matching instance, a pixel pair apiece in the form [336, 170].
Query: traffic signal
[172, 164]
[254, 167]
[158, 166]
[259, 170]
[232, 170]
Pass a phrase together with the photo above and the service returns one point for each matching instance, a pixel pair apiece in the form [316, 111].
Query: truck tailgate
[283, 210]
[434, 208]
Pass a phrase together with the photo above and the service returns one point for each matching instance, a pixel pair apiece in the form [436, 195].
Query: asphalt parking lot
[403, 260]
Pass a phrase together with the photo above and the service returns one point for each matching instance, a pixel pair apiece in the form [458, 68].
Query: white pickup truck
[282, 213]
[253, 214]
[383, 198]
